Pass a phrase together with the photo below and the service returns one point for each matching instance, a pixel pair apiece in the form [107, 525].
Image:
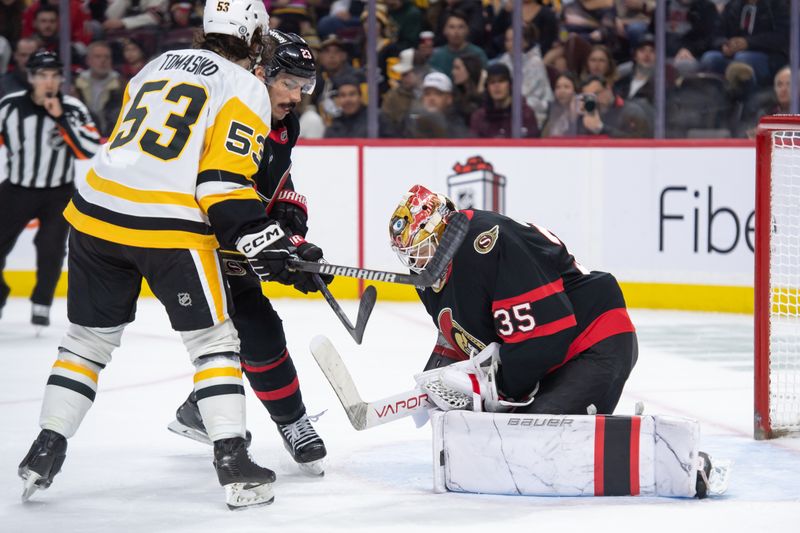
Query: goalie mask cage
[777, 278]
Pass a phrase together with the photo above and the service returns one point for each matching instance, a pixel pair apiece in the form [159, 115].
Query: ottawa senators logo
[458, 337]
[485, 241]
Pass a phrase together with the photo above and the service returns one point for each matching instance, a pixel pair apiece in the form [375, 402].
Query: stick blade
[331, 364]
[365, 306]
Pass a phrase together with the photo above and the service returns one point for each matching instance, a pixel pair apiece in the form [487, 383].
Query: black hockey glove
[308, 252]
[267, 249]
[290, 210]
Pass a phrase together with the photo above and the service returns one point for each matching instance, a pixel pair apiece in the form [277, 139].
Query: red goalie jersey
[517, 284]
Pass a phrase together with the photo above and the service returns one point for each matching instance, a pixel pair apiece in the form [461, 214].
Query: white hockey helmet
[239, 18]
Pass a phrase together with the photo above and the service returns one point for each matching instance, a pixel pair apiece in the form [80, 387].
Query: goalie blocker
[571, 455]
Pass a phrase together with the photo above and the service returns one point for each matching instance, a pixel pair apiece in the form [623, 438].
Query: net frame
[777, 278]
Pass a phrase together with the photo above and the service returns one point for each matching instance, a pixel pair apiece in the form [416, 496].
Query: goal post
[777, 278]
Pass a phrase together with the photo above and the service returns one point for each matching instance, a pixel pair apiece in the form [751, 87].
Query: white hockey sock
[220, 395]
[69, 394]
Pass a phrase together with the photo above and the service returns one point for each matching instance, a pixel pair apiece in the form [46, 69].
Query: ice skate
[40, 317]
[189, 423]
[246, 483]
[712, 478]
[305, 446]
[42, 462]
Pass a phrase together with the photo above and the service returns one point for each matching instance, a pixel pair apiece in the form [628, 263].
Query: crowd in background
[445, 68]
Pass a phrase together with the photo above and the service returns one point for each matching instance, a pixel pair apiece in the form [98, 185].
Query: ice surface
[126, 473]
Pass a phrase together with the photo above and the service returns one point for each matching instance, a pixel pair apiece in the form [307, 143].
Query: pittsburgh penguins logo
[457, 336]
[485, 241]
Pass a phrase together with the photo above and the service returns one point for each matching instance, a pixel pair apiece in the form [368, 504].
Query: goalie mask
[417, 226]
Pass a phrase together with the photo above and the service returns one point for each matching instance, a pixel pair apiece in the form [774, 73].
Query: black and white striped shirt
[42, 150]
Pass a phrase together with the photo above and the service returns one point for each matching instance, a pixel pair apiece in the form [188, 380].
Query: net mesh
[784, 336]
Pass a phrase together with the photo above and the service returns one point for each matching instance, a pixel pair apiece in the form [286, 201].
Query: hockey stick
[363, 415]
[452, 238]
[365, 306]
[367, 301]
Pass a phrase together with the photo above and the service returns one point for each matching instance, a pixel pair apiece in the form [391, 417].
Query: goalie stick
[363, 415]
[452, 238]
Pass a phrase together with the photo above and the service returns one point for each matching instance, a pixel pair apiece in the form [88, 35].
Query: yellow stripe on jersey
[211, 373]
[209, 261]
[136, 237]
[126, 96]
[80, 369]
[246, 193]
[222, 151]
[139, 196]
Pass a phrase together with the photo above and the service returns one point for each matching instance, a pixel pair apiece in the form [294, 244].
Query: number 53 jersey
[188, 140]
[517, 284]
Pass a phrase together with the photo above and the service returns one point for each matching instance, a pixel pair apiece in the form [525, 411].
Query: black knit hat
[498, 70]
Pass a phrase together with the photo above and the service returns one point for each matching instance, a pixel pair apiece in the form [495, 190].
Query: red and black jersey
[517, 284]
[282, 138]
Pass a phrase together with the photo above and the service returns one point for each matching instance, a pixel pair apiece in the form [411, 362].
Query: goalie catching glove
[470, 384]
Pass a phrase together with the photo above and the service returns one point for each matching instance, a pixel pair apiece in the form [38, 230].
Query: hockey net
[777, 278]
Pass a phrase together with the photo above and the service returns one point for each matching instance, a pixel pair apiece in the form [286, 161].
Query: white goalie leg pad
[564, 455]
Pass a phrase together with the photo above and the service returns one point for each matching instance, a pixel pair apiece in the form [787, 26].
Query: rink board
[672, 220]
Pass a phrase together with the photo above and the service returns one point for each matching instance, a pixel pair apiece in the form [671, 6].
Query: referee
[44, 132]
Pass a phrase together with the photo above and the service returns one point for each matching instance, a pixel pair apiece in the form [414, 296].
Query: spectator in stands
[133, 14]
[604, 113]
[755, 32]
[533, 13]
[424, 51]
[535, 83]
[407, 19]
[455, 32]
[600, 63]
[292, 16]
[135, 58]
[17, 79]
[773, 102]
[493, 120]
[79, 21]
[468, 85]
[185, 13]
[638, 83]
[472, 14]
[343, 15]
[352, 119]
[562, 115]
[100, 87]
[333, 63]
[45, 28]
[388, 50]
[398, 101]
[592, 20]
[434, 117]
[690, 29]
[11, 19]
[633, 19]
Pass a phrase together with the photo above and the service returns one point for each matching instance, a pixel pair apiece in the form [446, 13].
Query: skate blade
[190, 433]
[241, 496]
[30, 486]
[314, 468]
[719, 477]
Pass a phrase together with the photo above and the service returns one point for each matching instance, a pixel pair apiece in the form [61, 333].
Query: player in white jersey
[174, 181]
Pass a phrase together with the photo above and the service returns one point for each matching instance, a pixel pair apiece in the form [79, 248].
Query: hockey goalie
[532, 355]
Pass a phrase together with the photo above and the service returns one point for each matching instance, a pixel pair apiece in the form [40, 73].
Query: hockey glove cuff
[267, 249]
[291, 210]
